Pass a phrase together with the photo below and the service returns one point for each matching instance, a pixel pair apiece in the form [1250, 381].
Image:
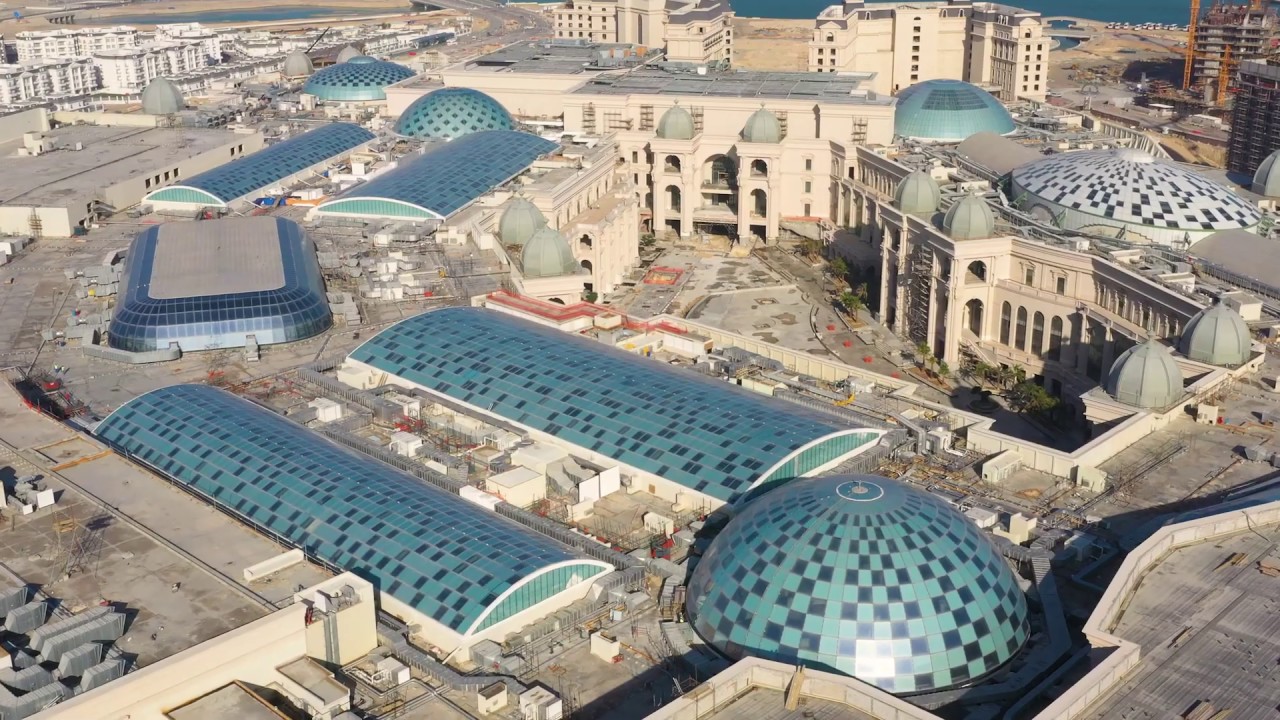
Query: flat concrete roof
[309, 674]
[199, 259]
[110, 155]
[1209, 628]
[766, 704]
[838, 88]
[228, 701]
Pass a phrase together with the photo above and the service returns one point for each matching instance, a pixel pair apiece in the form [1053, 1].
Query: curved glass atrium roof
[208, 285]
[452, 112]
[444, 179]
[693, 430]
[453, 561]
[860, 575]
[262, 169]
[948, 111]
[1121, 191]
[357, 80]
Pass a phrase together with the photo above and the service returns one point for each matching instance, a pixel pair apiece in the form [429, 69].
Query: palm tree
[944, 369]
[851, 304]
[925, 354]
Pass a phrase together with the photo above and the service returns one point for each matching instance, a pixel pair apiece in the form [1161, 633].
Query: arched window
[1020, 331]
[673, 198]
[671, 164]
[1055, 339]
[585, 243]
[1037, 333]
[977, 272]
[759, 203]
[974, 308]
[1006, 315]
[759, 168]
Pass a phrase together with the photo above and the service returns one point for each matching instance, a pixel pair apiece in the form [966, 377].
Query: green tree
[852, 304]
[1031, 399]
[810, 248]
[925, 354]
[839, 269]
[943, 368]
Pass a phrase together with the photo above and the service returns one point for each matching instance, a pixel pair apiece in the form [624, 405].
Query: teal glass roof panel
[361, 79]
[271, 165]
[448, 176]
[949, 111]
[444, 556]
[451, 113]
[864, 576]
[693, 430]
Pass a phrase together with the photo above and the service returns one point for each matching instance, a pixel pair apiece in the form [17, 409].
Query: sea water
[1134, 11]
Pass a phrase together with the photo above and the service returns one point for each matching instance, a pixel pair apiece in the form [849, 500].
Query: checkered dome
[864, 576]
[450, 113]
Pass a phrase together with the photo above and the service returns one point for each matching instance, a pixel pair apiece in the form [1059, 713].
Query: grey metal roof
[995, 152]
[199, 259]
[1242, 252]
[844, 88]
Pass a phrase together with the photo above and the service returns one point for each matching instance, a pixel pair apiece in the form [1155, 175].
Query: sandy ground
[770, 44]
[1113, 55]
[104, 16]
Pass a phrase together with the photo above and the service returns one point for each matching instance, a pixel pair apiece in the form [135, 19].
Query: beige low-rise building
[902, 43]
[691, 31]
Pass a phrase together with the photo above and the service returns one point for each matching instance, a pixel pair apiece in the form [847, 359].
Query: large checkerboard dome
[864, 576]
[1128, 193]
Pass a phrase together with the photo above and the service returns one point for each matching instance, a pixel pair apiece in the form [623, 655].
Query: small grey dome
[297, 64]
[676, 124]
[1216, 335]
[162, 97]
[520, 220]
[1145, 376]
[547, 254]
[1266, 181]
[762, 127]
[969, 219]
[347, 53]
[918, 194]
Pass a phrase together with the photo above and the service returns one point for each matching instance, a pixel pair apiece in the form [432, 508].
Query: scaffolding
[919, 293]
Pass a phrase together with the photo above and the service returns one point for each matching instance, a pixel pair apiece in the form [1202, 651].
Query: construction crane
[326, 32]
[1224, 77]
[1191, 44]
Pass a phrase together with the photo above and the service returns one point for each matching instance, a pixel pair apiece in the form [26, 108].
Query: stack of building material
[26, 618]
[101, 674]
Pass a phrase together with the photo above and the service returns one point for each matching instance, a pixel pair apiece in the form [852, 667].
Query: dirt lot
[770, 44]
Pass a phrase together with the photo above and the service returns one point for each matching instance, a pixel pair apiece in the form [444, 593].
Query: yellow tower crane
[1191, 44]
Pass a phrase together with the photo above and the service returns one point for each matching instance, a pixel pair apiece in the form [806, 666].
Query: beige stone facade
[1060, 313]
[996, 46]
[719, 181]
[693, 31]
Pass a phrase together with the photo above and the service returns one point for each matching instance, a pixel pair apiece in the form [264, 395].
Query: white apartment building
[73, 42]
[129, 70]
[693, 31]
[997, 46]
[182, 32]
[43, 80]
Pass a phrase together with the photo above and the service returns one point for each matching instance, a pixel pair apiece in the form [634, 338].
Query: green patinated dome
[918, 194]
[162, 97]
[676, 124]
[450, 113]
[970, 219]
[297, 64]
[547, 254]
[1266, 181]
[520, 220]
[1145, 376]
[1216, 335]
[762, 127]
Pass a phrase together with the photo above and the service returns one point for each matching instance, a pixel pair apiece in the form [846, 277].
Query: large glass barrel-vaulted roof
[451, 560]
[360, 79]
[704, 434]
[207, 285]
[949, 111]
[864, 576]
[262, 169]
[445, 178]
